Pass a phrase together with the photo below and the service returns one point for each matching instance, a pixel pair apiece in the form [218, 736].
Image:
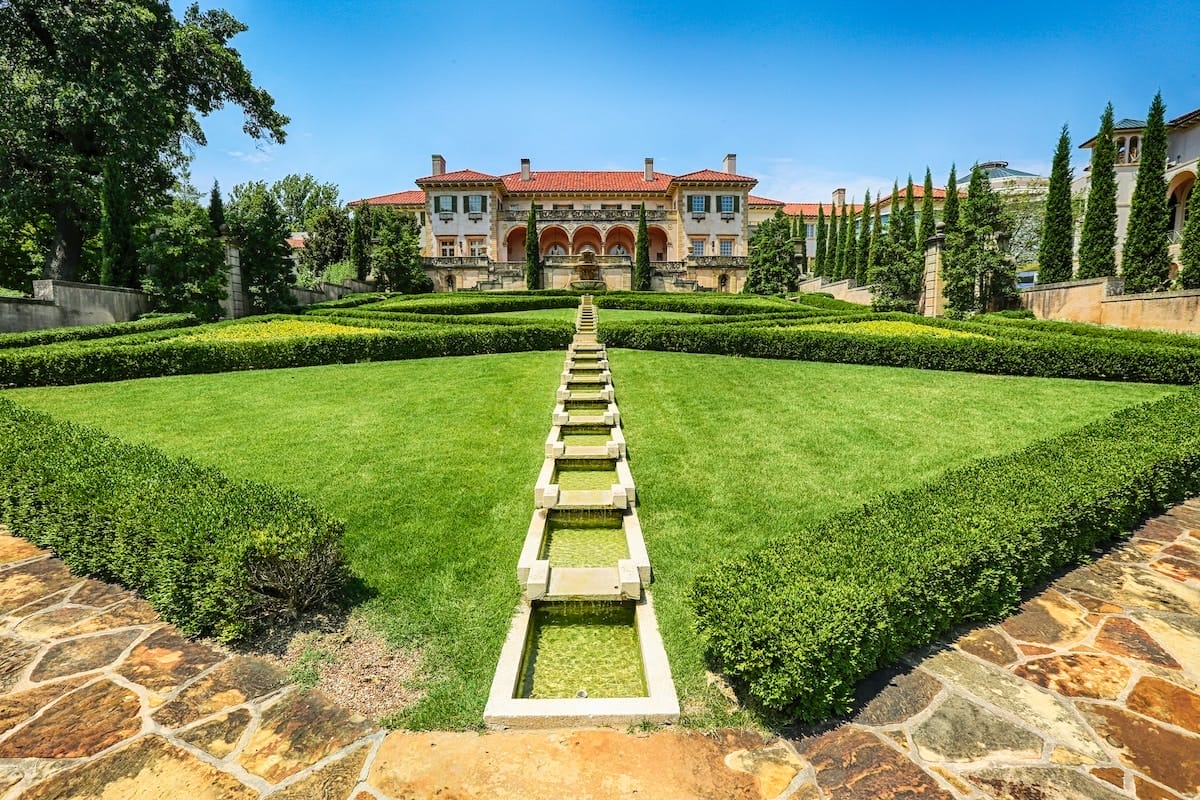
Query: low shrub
[826, 301]
[1034, 355]
[482, 303]
[705, 303]
[157, 322]
[210, 553]
[438, 319]
[1086, 330]
[1011, 313]
[352, 300]
[86, 362]
[800, 621]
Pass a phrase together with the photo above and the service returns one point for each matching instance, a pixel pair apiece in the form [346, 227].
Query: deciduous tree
[1145, 258]
[1058, 230]
[328, 239]
[360, 241]
[301, 196]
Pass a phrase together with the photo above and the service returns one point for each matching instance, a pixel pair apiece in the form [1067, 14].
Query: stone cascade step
[584, 544]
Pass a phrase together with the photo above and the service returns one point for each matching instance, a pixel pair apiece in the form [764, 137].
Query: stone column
[932, 301]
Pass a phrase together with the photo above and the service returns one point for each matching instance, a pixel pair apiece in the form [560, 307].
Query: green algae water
[582, 476]
[583, 650]
[584, 540]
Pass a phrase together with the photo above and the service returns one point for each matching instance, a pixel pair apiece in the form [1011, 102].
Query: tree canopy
[119, 81]
[301, 197]
[772, 261]
[396, 254]
[257, 225]
[185, 263]
[977, 275]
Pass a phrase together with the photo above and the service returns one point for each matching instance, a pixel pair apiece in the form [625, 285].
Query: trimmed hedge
[706, 303]
[385, 318]
[474, 303]
[1083, 329]
[84, 332]
[210, 553]
[824, 300]
[352, 300]
[800, 621]
[96, 362]
[1040, 355]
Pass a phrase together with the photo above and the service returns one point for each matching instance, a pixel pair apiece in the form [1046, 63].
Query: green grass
[603, 315]
[432, 464]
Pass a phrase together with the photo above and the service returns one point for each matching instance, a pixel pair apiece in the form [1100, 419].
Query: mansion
[473, 226]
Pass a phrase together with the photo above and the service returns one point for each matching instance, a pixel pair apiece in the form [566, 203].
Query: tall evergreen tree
[897, 279]
[185, 263]
[1058, 230]
[1145, 259]
[928, 223]
[819, 256]
[906, 223]
[950, 207]
[976, 275]
[119, 258]
[1189, 248]
[802, 234]
[258, 224]
[533, 258]
[876, 243]
[1098, 241]
[328, 239]
[833, 245]
[772, 260]
[396, 252]
[845, 234]
[864, 241]
[851, 270]
[360, 241]
[216, 209]
[641, 249]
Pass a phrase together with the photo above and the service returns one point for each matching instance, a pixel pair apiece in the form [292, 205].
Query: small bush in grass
[210, 553]
[800, 621]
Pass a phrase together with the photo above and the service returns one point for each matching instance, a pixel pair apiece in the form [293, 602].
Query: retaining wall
[1100, 301]
[846, 290]
[58, 304]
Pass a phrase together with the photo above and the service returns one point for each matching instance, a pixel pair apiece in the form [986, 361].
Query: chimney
[439, 165]
[839, 198]
[731, 164]
[525, 176]
[649, 172]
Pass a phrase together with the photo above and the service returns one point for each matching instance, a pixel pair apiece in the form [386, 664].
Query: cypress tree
[641, 258]
[950, 207]
[851, 270]
[216, 209]
[533, 260]
[1098, 241]
[772, 259]
[928, 225]
[876, 242]
[819, 256]
[118, 257]
[802, 233]
[1189, 249]
[864, 241]
[907, 229]
[360, 241]
[832, 245]
[1054, 255]
[1145, 262]
[975, 274]
[846, 231]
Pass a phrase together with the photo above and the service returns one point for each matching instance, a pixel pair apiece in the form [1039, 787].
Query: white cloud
[260, 155]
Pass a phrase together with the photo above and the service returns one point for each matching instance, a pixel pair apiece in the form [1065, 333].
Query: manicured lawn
[432, 465]
[606, 314]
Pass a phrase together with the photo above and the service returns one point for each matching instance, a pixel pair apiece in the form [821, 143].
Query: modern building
[1183, 157]
[473, 225]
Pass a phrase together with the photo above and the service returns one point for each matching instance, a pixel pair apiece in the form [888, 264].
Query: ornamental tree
[976, 274]
[1145, 258]
[833, 245]
[185, 263]
[772, 261]
[802, 233]
[896, 275]
[1098, 241]
[928, 222]
[864, 242]
[641, 250]
[122, 82]
[396, 253]
[950, 207]
[851, 249]
[258, 225]
[1189, 249]
[533, 258]
[819, 256]
[216, 209]
[118, 254]
[1058, 229]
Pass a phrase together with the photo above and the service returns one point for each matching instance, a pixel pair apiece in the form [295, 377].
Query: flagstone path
[1091, 691]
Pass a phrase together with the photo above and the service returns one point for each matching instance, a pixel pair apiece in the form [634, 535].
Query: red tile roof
[566, 181]
[461, 176]
[754, 200]
[810, 209]
[712, 176]
[295, 242]
[413, 197]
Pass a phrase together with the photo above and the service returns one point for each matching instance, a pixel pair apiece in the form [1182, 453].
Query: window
[660, 207]
[587, 206]
[446, 203]
[564, 206]
[1120, 149]
[1133, 149]
[477, 247]
[476, 204]
[727, 247]
[610, 206]
[810, 230]
[446, 246]
[697, 203]
[697, 247]
[728, 204]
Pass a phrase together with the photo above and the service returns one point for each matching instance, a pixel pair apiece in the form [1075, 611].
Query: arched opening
[658, 243]
[586, 240]
[620, 241]
[449, 283]
[1120, 149]
[1178, 192]
[514, 244]
[1133, 149]
[723, 283]
[554, 241]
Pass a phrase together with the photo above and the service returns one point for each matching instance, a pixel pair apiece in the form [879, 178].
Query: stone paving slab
[1090, 692]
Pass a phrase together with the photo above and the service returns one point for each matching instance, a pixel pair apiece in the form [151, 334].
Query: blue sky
[810, 98]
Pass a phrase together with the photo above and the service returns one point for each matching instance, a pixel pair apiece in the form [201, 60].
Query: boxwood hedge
[693, 303]
[84, 332]
[801, 620]
[473, 303]
[1034, 355]
[210, 553]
